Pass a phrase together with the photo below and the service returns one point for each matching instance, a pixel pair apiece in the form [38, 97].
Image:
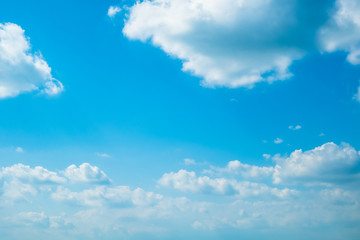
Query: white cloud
[39, 220]
[245, 170]
[278, 141]
[19, 149]
[24, 173]
[189, 161]
[266, 156]
[113, 10]
[297, 127]
[86, 173]
[188, 182]
[32, 219]
[20, 70]
[327, 164]
[15, 189]
[21, 182]
[357, 95]
[343, 30]
[120, 196]
[121, 212]
[230, 43]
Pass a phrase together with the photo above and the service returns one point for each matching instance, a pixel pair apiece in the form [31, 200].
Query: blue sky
[173, 119]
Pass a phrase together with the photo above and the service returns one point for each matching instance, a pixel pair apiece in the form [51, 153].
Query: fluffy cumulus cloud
[239, 43]
[188, 182]
[20, 70]
[24, 182]
[231, 43]
[27, 174]
[326, 164]
[86, 173]
[21, 182]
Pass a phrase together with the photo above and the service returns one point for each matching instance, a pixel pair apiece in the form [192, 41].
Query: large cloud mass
[326, 164]
[343, 30]
[237, 43]
[20, 70]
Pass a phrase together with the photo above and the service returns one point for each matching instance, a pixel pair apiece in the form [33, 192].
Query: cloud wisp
[113, 10]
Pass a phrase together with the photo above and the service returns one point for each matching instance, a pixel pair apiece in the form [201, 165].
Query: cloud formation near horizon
[238, 196]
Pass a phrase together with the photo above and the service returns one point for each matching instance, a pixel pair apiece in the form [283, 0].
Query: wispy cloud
[189, 161]
[103, 155]
[297, 127]
[357, 95]
[19, 149]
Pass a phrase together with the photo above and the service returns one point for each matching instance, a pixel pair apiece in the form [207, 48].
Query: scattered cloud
[86, 173]
[19, 150]
[20, 70]
[278, 141]
[113, 10]
[189, 161]
[297, 127]
[266, 156]
[230, 203]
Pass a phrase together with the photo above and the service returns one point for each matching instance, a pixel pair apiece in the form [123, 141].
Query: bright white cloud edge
[20, 70]
[239, 43]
